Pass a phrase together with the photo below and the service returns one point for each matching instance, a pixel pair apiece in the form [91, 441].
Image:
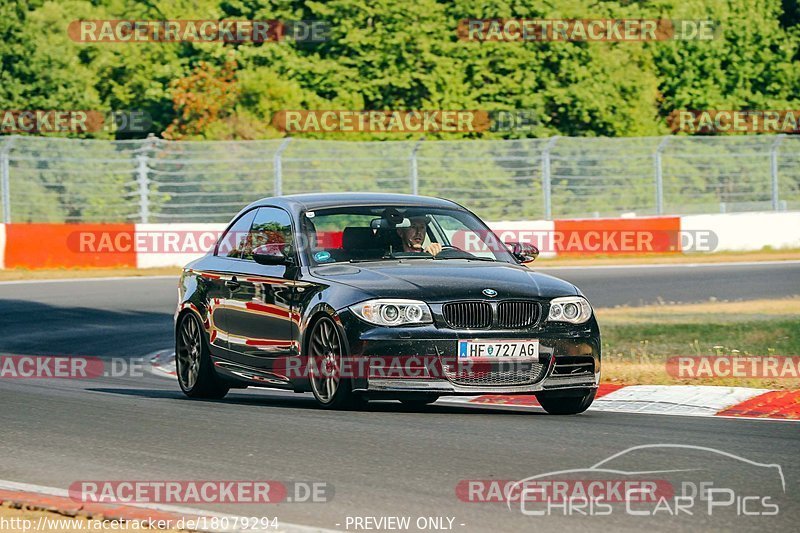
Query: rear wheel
[566, 405]
[193, 364]
[326, 354]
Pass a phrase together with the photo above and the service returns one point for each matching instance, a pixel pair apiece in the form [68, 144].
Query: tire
[566, 405]
[326, 351]
[419, 402]
[196, 375]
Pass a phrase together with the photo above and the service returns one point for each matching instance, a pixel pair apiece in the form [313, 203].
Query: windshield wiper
[395, 257]
[401, 256]
[373, 260]
[473, 258]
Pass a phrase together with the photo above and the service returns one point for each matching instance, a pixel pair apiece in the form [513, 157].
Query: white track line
[282, 526]
[668, 265]
[464, 401]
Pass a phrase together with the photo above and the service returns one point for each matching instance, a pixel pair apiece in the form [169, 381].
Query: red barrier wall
[609, 236]
[52, 246]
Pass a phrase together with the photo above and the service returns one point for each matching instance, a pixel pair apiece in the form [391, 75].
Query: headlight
[388, 312]
[572, 309]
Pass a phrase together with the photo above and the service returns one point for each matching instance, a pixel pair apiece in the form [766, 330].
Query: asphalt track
[613, 285]
[384, 461]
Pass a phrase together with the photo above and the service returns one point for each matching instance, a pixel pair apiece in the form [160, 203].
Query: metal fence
[47, 179]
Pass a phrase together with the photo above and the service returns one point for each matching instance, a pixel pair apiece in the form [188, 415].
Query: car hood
[438, 281]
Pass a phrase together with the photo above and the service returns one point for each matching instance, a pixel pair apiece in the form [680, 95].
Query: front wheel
[326, 356]
[566, 405]
[193, 364]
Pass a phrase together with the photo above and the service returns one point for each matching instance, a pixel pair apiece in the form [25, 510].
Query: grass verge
[671, 258]
[637, 341]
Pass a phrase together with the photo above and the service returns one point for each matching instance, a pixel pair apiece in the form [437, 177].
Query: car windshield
[390, 233]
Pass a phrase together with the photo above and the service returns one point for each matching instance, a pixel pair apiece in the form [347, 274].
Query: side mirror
[270, 254]
[523, 252]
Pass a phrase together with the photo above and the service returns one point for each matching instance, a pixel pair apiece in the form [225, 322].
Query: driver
[413, 237]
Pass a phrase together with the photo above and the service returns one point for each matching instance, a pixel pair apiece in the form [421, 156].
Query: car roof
[299, 202]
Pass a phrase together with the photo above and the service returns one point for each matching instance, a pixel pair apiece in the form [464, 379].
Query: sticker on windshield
[321, 257]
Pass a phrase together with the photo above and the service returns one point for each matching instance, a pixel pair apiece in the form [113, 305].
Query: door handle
[232, 284]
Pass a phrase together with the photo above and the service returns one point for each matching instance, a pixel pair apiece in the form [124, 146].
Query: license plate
[502, 349]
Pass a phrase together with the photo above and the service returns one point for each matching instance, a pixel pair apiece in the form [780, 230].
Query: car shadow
[307, 402]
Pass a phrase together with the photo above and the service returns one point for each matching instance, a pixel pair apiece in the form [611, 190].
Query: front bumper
[442, 387]
[569, 357]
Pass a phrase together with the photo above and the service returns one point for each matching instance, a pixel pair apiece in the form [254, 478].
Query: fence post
[277, 165]
[548, 207]
[144, 188]
[415, 168]
[659, 176]
[773, 160]
[5, 178]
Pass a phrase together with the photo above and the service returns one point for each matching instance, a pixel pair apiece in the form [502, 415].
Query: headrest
[354, 239]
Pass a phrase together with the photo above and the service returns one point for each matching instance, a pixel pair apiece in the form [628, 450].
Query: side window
[272, 227]
[235, 239]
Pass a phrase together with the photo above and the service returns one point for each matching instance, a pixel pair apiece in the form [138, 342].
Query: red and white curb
[57, 500]
[685, 400]
[162, 363]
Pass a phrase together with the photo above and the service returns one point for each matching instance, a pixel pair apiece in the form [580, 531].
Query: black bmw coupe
[358, 296]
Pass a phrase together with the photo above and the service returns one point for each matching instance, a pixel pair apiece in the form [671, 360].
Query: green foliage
[384, 54]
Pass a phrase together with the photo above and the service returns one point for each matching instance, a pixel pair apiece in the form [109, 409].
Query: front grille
[471, 315]
[478, 315]
[493, 374]
[517, 314]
